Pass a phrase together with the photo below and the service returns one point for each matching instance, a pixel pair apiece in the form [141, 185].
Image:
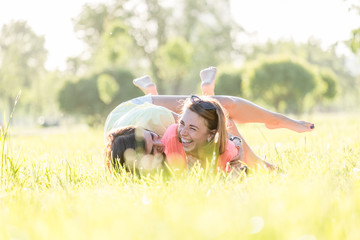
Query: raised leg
[146, 85]
[244, 111]
[240, 111]
[208, 76]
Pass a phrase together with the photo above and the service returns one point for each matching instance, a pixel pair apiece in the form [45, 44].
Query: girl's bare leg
[244, 111]
[240, 111]
[207, 77]
[146, 85]
[171, 102]
[250, 158]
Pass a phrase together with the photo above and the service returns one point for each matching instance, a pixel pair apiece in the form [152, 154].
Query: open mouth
[186, 142]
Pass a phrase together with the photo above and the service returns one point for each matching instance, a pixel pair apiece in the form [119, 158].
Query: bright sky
[327, 20]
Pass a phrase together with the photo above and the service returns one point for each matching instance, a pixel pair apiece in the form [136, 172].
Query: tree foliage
[95, 96]
[310, 52]
[22, 59]
[175, 57]
[115, 47]
[284, 84]
[229, 81]
[107, 87]
[354, 41]
[331, 86]
[205, 25]
[329, 60]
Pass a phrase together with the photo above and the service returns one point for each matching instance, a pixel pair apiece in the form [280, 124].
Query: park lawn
[55, 186]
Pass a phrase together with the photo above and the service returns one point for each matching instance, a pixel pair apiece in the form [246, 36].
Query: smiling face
[153, 145]
[193, 132]
[153, 153]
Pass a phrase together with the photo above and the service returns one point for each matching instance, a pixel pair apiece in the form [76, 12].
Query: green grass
[55, 186]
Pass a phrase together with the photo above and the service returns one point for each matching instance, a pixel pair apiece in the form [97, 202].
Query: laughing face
[153, 154]
[193, 132]
[153, 145]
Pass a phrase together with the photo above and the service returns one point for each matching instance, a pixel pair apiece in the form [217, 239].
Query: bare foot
[295, 125]
[208, 76]
[254, 162]
[302, 126]
[146, 85]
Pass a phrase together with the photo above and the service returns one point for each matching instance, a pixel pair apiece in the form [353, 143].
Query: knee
[227, 102]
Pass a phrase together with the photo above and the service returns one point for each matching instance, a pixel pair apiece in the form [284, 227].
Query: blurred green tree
[331, 86]
[175, 58]
[90, 24]
[229, 81]
[311, 51]
[115, 47]
[285, 84]
[354, 41]
[107, 87]
[347, 87]
[206, 25]
[95, 96]
[22, 59]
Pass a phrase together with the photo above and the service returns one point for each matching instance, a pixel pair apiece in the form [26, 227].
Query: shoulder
[171, 141]
[170, 134]
[174, 152]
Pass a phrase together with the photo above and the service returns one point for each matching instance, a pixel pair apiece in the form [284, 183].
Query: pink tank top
[176, 155]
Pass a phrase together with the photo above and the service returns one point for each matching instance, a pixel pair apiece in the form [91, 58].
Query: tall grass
[7, 163]
[62, 190]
